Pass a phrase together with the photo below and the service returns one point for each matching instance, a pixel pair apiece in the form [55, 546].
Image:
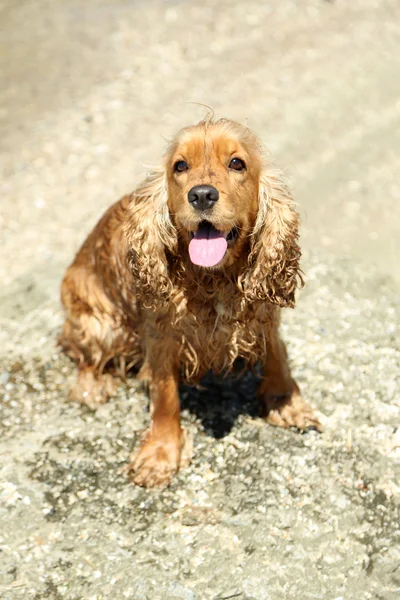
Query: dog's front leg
[160, 455]
[282, 404]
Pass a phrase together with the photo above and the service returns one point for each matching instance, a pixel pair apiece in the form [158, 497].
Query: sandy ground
[89, 93]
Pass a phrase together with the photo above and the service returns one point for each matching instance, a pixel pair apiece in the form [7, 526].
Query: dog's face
[218, 202]
[213, 184]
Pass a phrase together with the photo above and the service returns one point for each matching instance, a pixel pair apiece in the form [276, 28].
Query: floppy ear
[273, 270]
[151, 237]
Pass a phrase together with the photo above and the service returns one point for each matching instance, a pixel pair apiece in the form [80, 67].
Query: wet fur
[133, 297]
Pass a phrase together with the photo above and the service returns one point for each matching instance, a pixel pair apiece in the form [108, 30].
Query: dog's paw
[155, 464]
[289, 410]
[91, 390]
[158, 460]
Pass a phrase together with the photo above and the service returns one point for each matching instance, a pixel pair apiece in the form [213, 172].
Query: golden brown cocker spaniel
[185, 275]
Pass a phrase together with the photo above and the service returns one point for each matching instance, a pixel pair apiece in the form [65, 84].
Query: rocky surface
[88, 92]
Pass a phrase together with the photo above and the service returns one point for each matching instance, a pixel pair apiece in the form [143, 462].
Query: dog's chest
[215, 333]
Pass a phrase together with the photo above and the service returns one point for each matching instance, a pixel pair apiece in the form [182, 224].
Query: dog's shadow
[218, 402]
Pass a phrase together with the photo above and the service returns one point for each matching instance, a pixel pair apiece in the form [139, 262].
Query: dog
[186, 275]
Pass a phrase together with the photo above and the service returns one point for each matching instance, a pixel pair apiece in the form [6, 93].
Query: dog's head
[213, 173]
[218, 201]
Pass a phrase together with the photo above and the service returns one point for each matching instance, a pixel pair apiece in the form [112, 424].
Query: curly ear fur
[151, 235]
[273, 270]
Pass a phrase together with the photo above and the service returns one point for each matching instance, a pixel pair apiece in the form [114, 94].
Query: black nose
[202, 197]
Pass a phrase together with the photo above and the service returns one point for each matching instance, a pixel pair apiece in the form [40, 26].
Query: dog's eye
[237, 164]
[180, 166]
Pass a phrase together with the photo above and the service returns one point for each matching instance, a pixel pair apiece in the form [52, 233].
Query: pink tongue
[208, 247]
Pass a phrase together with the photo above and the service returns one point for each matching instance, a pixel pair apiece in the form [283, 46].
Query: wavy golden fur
[136, 295]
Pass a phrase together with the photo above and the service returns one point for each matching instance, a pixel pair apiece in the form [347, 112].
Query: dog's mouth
[209, 245]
